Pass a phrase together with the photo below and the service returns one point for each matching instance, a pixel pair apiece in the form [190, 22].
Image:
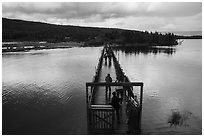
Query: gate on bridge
[101, 118]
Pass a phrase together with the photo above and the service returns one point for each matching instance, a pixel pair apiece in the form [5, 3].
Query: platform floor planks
[101, 98]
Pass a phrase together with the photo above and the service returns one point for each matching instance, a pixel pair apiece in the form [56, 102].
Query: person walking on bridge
[108, 79]
[106, 56]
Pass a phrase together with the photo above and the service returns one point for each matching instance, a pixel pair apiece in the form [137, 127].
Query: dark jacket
[108, 79]
[115, 102]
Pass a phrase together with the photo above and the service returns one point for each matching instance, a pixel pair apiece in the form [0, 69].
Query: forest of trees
[18, 30]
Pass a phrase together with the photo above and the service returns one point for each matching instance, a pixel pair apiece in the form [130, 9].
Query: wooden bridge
[101, 117]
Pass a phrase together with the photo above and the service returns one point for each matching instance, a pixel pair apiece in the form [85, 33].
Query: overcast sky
[138, 16]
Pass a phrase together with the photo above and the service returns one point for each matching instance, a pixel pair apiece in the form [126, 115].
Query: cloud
[168, 27]
[106, 13]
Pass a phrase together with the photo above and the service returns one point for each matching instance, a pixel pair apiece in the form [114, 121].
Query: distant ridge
[20, 30]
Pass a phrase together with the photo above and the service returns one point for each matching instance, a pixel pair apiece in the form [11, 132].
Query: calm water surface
[172, 82]
[44, 91]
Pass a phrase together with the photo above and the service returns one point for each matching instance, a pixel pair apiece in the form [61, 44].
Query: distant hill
[19, 30]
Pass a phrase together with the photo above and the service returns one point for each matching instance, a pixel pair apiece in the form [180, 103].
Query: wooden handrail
[102, 107]
[114, 84]
[136, 104]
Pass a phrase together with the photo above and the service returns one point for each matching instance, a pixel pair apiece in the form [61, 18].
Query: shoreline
[29, 45]
[25, 46]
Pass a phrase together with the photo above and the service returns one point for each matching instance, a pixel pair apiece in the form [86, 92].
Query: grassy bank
[27, 46]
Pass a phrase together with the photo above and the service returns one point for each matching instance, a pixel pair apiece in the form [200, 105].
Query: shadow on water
[146, 49]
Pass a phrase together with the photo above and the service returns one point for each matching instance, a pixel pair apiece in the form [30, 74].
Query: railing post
[113, 120]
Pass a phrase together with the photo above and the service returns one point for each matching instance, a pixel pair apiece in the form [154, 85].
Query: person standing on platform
[108, 79]
[119, 89]
[115, 102]
[132, 118]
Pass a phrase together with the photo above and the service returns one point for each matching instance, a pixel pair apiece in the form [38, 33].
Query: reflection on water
[170, 83]
[43, 92]
[145, 49]
[24, 108]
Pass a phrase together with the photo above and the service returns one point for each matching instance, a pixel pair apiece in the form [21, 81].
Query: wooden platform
[101, 117]
[100, 96]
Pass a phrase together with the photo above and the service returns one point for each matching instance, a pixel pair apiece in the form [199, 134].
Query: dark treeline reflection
[145, 49]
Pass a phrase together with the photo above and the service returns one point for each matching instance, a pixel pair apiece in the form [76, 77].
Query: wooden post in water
[87, 108]
[140, 111]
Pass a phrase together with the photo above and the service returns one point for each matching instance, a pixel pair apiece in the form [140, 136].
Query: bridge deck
[101, 98]
[103, 121]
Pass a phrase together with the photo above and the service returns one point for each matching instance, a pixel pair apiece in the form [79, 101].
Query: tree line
[19, 30]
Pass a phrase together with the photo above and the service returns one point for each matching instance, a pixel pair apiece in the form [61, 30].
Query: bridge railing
[103, 115]
[96, 77]
[131, 97]
[97, 121]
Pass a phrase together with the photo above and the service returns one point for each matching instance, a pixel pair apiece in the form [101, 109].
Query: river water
[44, 90]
